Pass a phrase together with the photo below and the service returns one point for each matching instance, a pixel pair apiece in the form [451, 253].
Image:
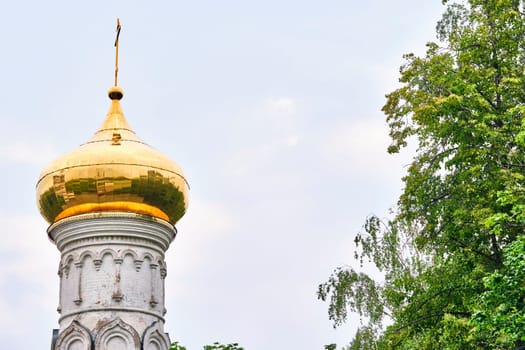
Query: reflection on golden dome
[113, 171]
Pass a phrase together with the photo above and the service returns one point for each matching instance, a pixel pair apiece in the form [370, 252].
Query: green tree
[176, 346]
[463, 205]
[501, 312]
[217, 346]
[214, 346]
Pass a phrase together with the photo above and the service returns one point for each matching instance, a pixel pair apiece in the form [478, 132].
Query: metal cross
[116, 50]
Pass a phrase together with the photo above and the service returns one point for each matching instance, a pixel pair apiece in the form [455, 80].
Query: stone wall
[112, 274]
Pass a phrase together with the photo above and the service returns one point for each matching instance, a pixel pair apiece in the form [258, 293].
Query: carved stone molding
[66, 270]
[97, 255]
[153, 300]
[138, 264]
[117, 294]
[116, 335]
[97, 263]
[78, 299]
[129, 310]
[114, 225]
[75, 337]
[154, 338]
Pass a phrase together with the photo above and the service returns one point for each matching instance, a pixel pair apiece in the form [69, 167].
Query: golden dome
[113, 171]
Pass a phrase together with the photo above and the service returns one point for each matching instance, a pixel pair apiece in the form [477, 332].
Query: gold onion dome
[113, 171]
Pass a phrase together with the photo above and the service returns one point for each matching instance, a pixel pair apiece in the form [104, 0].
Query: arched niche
[117, 335]
[154, 338]
[74, 337]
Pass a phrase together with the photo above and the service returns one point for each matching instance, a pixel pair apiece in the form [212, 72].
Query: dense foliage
[214, 346]
[453, 256]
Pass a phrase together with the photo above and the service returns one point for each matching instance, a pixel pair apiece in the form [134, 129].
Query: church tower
[112, 204]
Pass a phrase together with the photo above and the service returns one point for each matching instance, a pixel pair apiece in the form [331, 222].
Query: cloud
[219, 220]
[360, 147]
[257, 158]
[281, 106]
[273, 126]
[28, 282]
[292, 140]
[362, 138]
[26, 242]
[199, 230]
[279, 114]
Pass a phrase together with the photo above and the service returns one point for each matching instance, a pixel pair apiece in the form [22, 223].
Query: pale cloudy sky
[271, 107]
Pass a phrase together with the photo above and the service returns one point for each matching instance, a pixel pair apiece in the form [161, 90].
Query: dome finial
[116, 51]
[116, 93]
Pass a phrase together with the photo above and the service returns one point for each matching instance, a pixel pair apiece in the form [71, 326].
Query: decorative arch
[161, 263]
[66, 266]
[148, 256]
[158, 260]
[136, 261]
[129, 252]
[155, 344]
[69, 259]
[75, 337]
[107, 251]
[117, 335]
[85, 254]
[60, 269]
[163, 268]
[154, 338]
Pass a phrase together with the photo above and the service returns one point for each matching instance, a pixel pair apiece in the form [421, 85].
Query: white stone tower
[112, 204]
